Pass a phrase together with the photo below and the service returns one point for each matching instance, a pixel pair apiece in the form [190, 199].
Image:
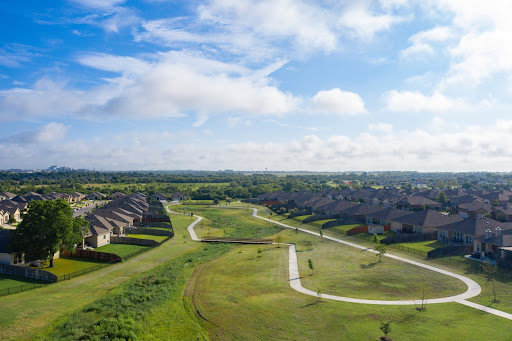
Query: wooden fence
[408, 238]
[22, 271]
[86, 254]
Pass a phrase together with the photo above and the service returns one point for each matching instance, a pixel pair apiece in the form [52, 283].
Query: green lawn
[147, 236]
[425, 246]
[245, 295]
[121, 249]
[343, 228]
[319, 223]
[7, 281]
[347, 271]
[65, 265]
[298, 218]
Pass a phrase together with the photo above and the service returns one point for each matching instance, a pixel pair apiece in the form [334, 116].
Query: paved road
[294, 277]
[83, 211]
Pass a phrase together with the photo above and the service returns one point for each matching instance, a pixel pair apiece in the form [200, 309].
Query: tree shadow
[368, 266]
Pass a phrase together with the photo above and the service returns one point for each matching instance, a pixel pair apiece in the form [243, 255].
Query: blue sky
[253, 85]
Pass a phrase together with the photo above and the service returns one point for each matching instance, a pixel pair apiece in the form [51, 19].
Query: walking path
[473, 288]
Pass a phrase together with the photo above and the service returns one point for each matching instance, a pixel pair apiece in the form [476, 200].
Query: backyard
[121, 250]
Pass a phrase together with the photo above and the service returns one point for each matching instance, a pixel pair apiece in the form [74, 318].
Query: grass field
[7, 281]
[245, 295]
[147, 236]
[346, 271]
[241, 295]
[64, 265]
[121, 249]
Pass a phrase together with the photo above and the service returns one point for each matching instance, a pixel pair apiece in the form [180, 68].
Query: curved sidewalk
[473, 288]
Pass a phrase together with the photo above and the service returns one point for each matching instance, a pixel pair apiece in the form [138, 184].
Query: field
[121, 249]
[147, 236]
[196, 291]
[343, 228]
[245, 295]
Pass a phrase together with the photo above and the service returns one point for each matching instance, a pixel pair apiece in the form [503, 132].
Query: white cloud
[415, 101]
[468, 149]
[175, 84]
[336, 101]
[49, 133]
[100, 4]
[417, 51]
[363, 23]
[381, 127]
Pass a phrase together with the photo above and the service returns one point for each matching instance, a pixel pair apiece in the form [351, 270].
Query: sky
[289, 85]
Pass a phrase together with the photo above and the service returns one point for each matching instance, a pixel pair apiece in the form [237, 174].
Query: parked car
[475, 255]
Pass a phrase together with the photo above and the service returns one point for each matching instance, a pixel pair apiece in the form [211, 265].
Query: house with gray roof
[425, 221]
[468, 230]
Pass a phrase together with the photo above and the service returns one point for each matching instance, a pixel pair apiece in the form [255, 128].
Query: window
[104, 236]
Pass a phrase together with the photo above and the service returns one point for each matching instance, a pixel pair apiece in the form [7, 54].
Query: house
[500, 213]
[385, 216]
[179, 196]
[160, 196]
[414, 202]
[359, 212]
[334, 208]
[468, 230]
[116, 195]
[476, 209]
[316, 203]
[6, 196]
[5, 256]
[495, 244]
[99, 232]
[425, 221]
[95, 196]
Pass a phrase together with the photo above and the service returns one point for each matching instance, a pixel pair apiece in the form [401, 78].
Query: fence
[82, 272]
[133, 241]
[152, 224]
[22, 271]
[317, 217]
[450, 251]
[408, 238]
[134, 230]
[410, 250]
[86, 254]
[21, 288]
[357, 230]
[298, 214]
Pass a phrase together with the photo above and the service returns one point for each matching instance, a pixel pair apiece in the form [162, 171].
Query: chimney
[488, 234]
[498, 231]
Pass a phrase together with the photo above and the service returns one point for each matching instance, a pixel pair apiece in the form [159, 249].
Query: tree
[279, 240]
[441, 197]
[310, 264]
[375, 239]
[321, 233]
[46, 228]
[381, 250]
[491, 271]
[386, 329]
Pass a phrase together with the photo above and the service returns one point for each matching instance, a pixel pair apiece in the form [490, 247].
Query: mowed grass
[121, 249]
[7, 281]
[344, 228]
[148, 236]
[64, 265]
[426, 246]
[226, 222]
[319, 223]
[25, 315]
[350, 272]
[245, 295]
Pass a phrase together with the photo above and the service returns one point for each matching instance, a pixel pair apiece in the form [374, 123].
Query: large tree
[47, 227]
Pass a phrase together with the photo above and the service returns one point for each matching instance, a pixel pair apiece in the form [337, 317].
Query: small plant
[321, 233]
[375, 239]
[296, 230]
[310, 264]
[385, 327]
[381, 250]
[260, 250]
